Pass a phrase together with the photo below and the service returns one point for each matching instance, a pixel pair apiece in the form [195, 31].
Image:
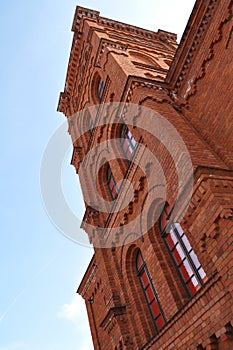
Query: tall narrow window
[112, 186]
[182, 253]
[100, 89]
[90, 126]
[128, 142]
[150, 292]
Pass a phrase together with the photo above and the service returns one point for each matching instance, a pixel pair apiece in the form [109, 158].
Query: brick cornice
[108, 26]
[191, 39]
[196, 45]
[108, 321]
[88, 277]
[157, 86]
[106, 43]
[213, 193]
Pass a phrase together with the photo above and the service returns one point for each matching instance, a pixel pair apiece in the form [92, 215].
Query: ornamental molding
[89, 280]
[192, 89]
[86, 84]
[82, 75]
[104, 44]
[160, 35]
[197, 39]
[216, 339]
[127, 214]
[75, 65]
[82, 13]
[187, 53]
[215, 191]
[109, 321]
[156, 87]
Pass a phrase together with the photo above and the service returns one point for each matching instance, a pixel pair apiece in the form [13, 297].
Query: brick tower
[161, 274]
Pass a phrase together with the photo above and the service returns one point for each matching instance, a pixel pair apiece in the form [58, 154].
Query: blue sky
[40, 269]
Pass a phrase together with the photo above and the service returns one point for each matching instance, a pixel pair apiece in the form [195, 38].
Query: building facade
[151, 124]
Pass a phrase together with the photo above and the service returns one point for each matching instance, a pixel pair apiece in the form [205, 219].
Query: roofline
[81, 14]
[196, 16]
[81, 284]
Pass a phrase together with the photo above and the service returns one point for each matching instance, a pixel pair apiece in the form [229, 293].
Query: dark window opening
[128, 142]
[112, 186]
[150, 292]
[100, 89]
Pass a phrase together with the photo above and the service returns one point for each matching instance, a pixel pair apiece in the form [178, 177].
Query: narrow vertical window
[182, 253]
[100, 89]
[150, 292]
[90, 127]
[128, 142]
[112, 186]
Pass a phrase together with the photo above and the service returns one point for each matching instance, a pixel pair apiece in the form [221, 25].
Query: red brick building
[161, 274]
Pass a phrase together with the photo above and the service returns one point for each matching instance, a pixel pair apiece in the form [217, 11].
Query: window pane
[155, 308]
[150, 293]
[130, 149]
[177, 256]
[180, 251]
[191, 287]
[202, 274]
[128, 144]
[160, 322]
[100, 89]
[128, 153]
[144, 279]
[113, 192]
[129, 135]
[125, 144]
[186, 243]
[184, 272]
[174, 238]
[111, 183]
[139, 261]
[188, 267]
[133, 142]
[179, 228]
[194, 281]
[108, 173]
[170, 241]
[195, 259]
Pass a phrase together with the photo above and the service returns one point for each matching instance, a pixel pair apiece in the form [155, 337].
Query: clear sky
[40, 269]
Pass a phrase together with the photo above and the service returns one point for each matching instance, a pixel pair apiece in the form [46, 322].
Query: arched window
[100, 89]
[150, 292]
[97, 88]
[182, 253]
[128, 142]
[112, 186]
